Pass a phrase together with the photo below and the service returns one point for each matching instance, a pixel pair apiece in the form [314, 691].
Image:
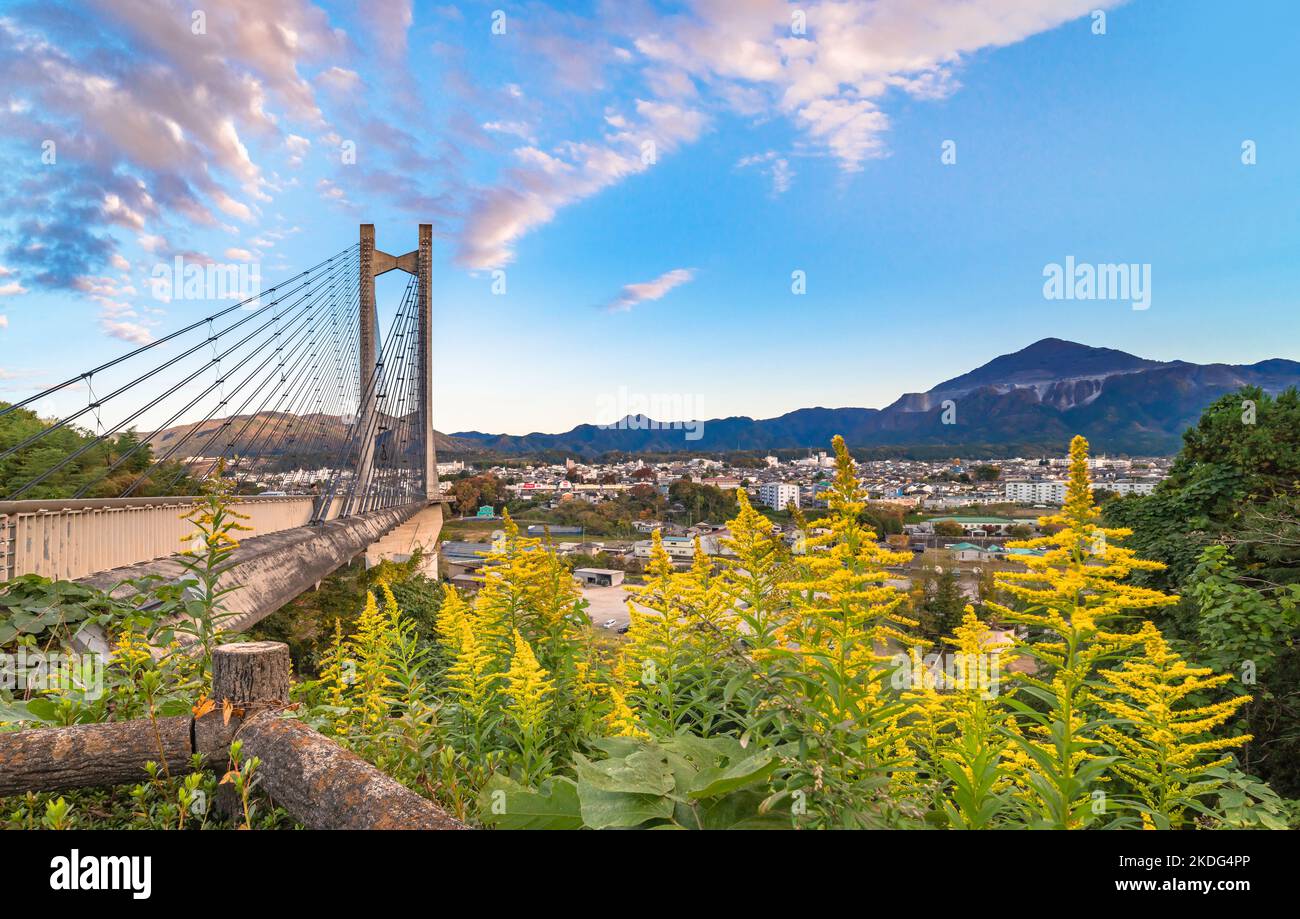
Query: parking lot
[607, 603]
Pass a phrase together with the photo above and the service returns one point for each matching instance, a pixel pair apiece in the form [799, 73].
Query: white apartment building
[778, 495]
[1036, 492]
[1126, 488]
[1054, 492]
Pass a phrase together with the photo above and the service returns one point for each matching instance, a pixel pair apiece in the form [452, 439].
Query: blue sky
[774, 151]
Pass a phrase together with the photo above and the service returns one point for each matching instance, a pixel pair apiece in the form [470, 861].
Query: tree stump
[251, 672]
[252, 676]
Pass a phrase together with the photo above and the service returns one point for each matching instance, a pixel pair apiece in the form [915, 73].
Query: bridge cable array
[268, 392]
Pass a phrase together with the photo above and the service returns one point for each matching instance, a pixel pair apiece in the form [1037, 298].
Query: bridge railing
[73, 538]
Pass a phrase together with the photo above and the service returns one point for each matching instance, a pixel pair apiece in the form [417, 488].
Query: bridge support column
[418, 533]
[369, 382]
[431, 490]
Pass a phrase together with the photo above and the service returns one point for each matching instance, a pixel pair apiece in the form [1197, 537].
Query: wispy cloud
[541, 182]
[775, 167]
[632, 294]
[830, 66]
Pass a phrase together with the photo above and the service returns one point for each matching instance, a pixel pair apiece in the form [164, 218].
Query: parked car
[610, 623]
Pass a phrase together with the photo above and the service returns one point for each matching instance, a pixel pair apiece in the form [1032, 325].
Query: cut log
[329, 788]
[87, 755]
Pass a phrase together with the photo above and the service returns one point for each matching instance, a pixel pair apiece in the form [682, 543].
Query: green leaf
[603, 809]
[618, 747]
[13, 712]
[507, 805]
[741, 811]
[715, 781]
[704, 752]
[173, 707]
[643, 772]
[43, 709]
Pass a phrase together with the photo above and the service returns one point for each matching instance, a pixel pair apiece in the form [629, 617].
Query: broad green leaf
[748, 771]
[507, 805]
[602, 809]
[740, 811]
[42, 709]
[644, 772]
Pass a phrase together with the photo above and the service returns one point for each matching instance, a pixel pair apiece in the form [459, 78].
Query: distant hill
[273, 434]
[1032, 400]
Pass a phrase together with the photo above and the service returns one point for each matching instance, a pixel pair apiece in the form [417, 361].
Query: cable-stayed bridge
[324, 429]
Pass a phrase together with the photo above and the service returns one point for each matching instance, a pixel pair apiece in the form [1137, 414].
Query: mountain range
[1031, 401]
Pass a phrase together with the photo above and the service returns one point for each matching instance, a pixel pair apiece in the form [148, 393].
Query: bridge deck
[271, 570]
[69, 539]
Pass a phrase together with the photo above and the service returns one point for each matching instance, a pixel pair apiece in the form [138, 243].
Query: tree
[948, 529]
[1226, 524]
[942, 605]
[101, 468]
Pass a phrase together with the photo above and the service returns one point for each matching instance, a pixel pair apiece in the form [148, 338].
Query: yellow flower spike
[528, 688]
[1159, 739]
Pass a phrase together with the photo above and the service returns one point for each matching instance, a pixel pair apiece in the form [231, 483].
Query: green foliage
[109, 468]
[682, 782]
[1246, 803]
[703, 502]
[941, 606]
[38, 611]
[1226, 523]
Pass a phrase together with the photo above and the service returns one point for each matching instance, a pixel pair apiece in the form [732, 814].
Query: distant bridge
[291, 389]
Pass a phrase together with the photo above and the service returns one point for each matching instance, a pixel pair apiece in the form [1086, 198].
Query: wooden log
[87, 755]
[329, 788]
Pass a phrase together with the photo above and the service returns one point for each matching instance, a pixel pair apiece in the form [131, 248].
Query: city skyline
[921, 169]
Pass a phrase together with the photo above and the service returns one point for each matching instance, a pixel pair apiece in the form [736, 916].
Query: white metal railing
[73, 538]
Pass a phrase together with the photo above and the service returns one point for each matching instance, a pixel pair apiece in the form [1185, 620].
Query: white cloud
[632, 294]
[132, 332]
[543, 182]
[775, 167]
[520, 129]
[833, 79]
[13, 288]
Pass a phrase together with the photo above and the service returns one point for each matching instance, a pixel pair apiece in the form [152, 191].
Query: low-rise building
[599, 577]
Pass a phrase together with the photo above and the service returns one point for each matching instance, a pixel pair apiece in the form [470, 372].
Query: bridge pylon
[374, 262]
